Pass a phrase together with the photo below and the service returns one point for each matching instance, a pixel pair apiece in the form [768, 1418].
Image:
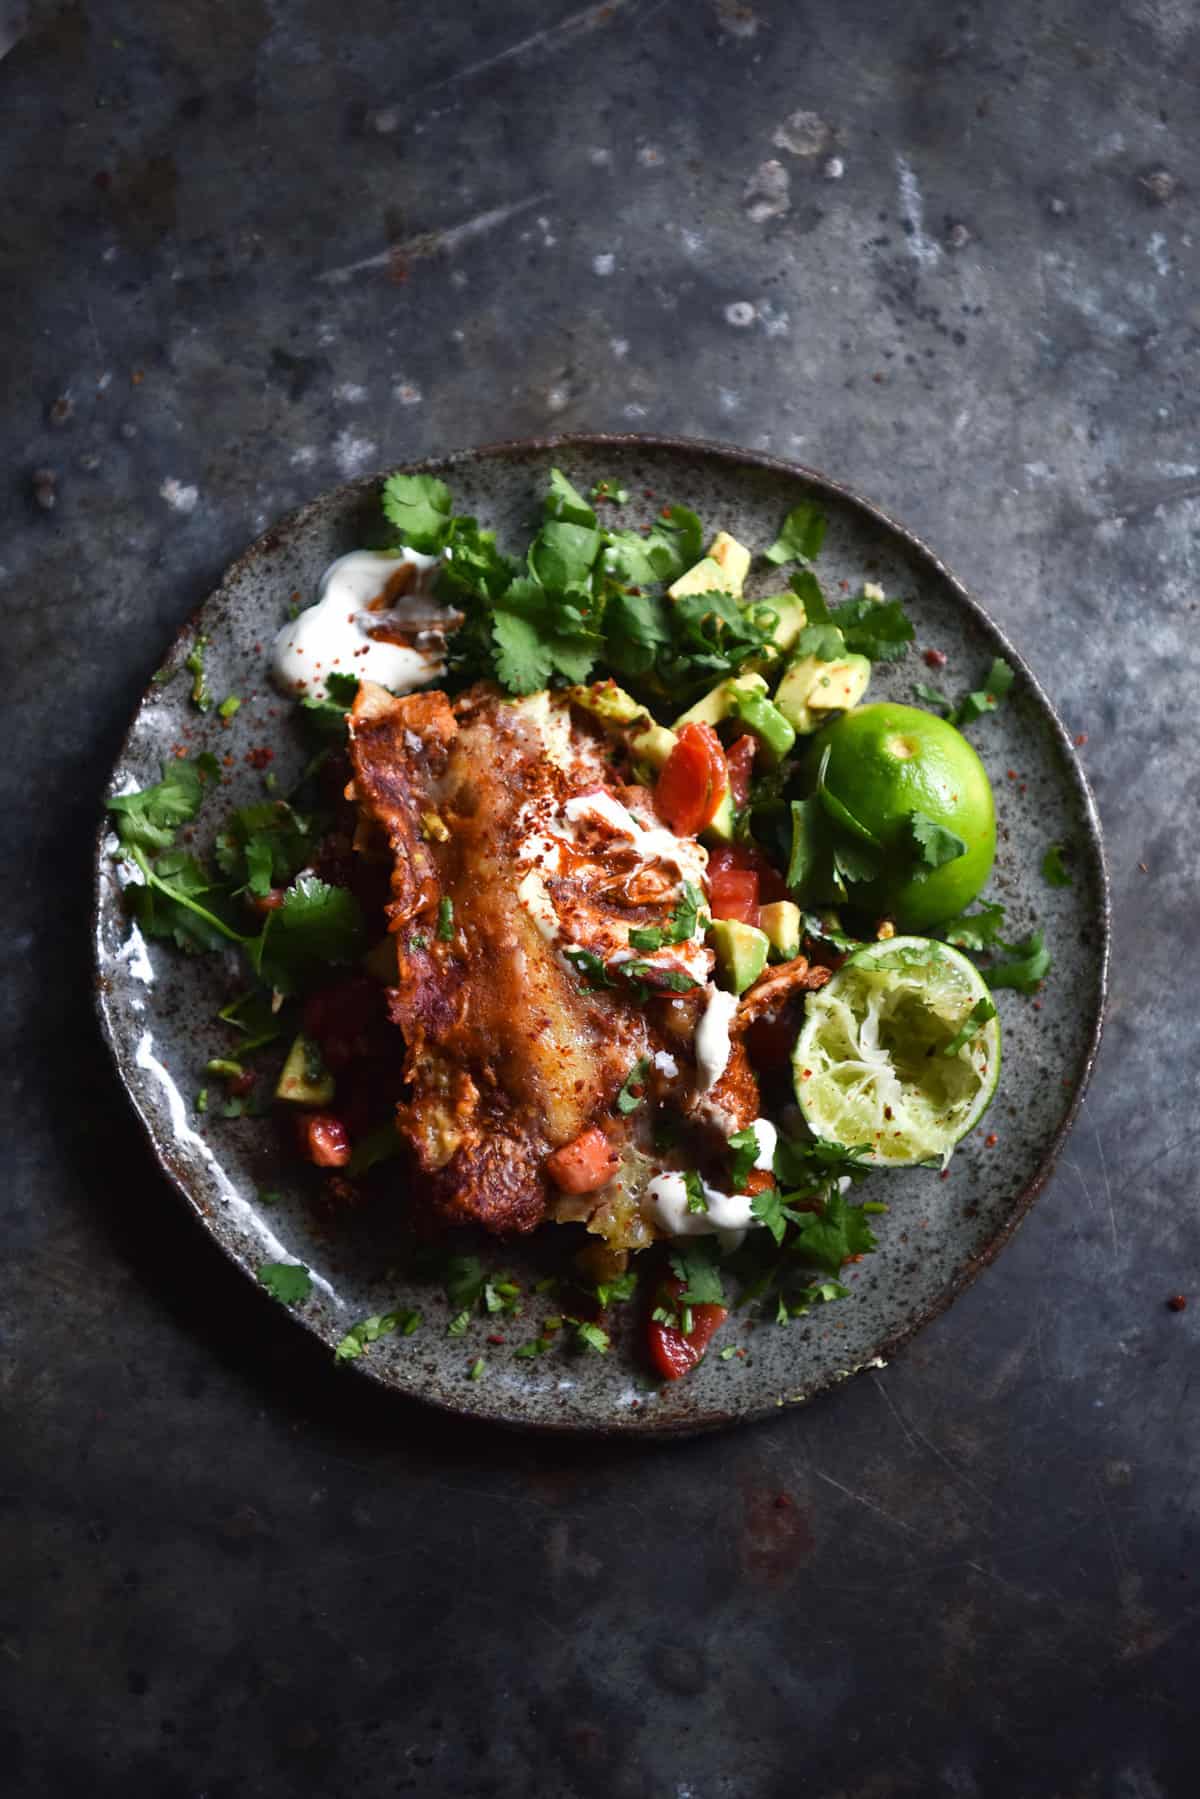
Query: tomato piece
[740, 760]
[340, 1017]
[693, 780]
[671, 1351]
[585, 1164]
[324, 1140]
[757, 1181]
[734, 894]
[748, 856]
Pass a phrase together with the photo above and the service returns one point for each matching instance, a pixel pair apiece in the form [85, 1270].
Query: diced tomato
[771, 884]
[582, 1166]
[340, 1017]
[734, 894]
[324, 1139]
[671, 1352]
[693, 780]
[267, 902]
[739, 758]
[757, 1181]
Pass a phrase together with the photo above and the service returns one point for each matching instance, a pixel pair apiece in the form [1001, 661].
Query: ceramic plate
[157, 1006]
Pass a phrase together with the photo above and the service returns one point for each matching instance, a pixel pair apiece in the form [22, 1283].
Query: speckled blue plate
[157, 1007]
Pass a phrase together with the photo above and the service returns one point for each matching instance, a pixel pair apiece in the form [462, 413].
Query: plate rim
[641, 1423]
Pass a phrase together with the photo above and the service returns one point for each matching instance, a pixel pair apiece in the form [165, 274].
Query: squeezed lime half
[900, 1052]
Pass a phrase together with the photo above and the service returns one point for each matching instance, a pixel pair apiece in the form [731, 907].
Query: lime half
[900, 1052]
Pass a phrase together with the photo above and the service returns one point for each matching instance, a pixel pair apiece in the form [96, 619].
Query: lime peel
[871, 1066]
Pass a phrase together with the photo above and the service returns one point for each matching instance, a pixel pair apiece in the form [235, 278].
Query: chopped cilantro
[976, 1018]
[194, 663]
[878, 629]
[656, 977]
[369, 1331]
[694, 1188]
[457, 1326]
[975, 931]
[229, 706]
[288, 1282]
[268, 1196]
[800, 537]
[727, 1354]
[149, 819]
[316, 925]
[589, 965]
[445, 921]
[501, 1295]
[538, 1346]
[464, 1282]
[633, 1087]
[975, 704]
[1054, 869]
[563, 501]
[478, 1369]
[928, 845]
[610, 491]
[681, 927]
[202, 1100]
[621, 1287]
[834, 1235]
[591, 1336]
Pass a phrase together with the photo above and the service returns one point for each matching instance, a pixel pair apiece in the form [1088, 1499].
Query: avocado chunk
[741, 951]
[718, 704]
[608, 702]
[780, 923]
[719, 828]
[787, 611]
[651, 747]
[304, 1079]
[812, 689]
[705, 576]
[733, 558]
[767, 723]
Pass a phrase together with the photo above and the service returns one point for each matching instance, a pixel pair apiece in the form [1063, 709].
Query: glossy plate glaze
[157, 1007]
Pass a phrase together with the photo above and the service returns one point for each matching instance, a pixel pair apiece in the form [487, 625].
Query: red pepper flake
[1011, 773]
[243, 1083]
[1177, 1302]
[258, 758]
[806, 1074]
[845, 586]
[227, 761]
[137, 377]
[1037, 1005]
[944, 1175]
[1024, 787]
[496, 1338]
[783, 1502]
[741, 1355]
[991, 1140]
[1081, 739]
[665, 512]
[649, 492]
[936, 658]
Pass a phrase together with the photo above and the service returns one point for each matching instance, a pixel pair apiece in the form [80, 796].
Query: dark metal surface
[246, 252]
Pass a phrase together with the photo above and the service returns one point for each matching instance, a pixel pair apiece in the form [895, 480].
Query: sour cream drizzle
[728, 1216]
[331, 637]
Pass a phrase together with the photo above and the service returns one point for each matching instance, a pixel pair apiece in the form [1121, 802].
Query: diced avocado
[811, 689]
[605, 700]
[705, 576]
[767, 723]
[733, 558]
[304, 1079]
[651, 747]
[780, 922]
[720, 828]
[741, 951]
[787, 609]
[717, 704]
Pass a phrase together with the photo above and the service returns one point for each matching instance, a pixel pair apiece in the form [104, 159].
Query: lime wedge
[900, 1052]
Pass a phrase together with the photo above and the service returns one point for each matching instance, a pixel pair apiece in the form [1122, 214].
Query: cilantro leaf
[825, 642]
[768, 1208]
[745, 1147]
[800, 1304]
[804, 1166]
[1055, 872]
[445, 919]
[622, 1286]
[693, 1186]
[1000, 678]
[975, 931]
[928, 845]
[637, 629]
[879, 629]
[288, 1282]
[672, 544]
[656, 977]
[419, 506]
[524, 663]
[1027, 967]
[591, 1336]
[976, 1018]
[317, 924]
[807, 589]
[808, 842]
[565, 502]
[801, 535]
[464, 1282]
[832, 1236]
[633, 1087]
[561, 556]
[369, 1330]
[695, 1264]
[148, 820]
[328, 715]
[933, 696]
[587, 964]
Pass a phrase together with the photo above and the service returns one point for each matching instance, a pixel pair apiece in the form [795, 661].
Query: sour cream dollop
[331, 637]
[665, 1201]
